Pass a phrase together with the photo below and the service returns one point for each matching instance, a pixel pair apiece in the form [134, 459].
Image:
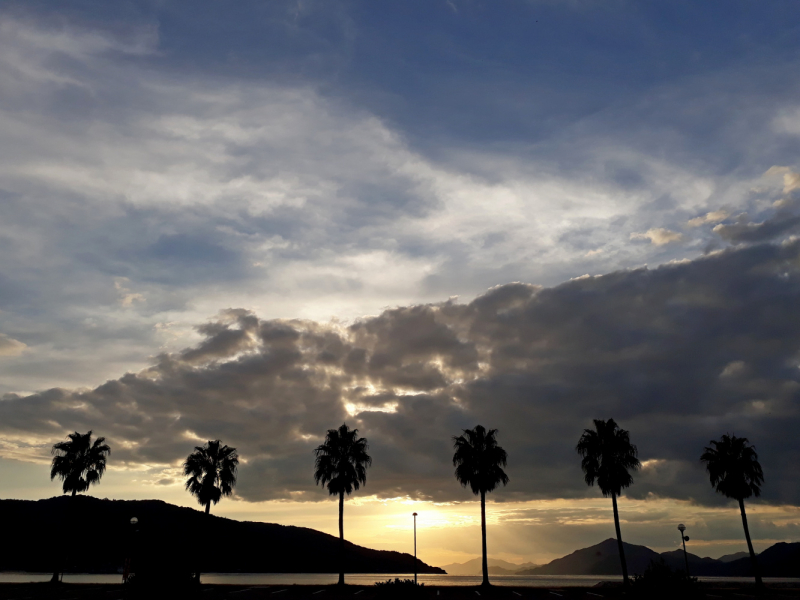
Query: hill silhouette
[96, 536]
[496, 567]
[600, 559]
[734, 556]
[706, 566]
[779, 560]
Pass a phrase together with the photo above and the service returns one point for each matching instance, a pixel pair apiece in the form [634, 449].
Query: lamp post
[126, 572]
[415, 548]
[684, 539]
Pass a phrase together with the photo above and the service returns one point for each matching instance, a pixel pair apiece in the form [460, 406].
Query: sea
[546, 581]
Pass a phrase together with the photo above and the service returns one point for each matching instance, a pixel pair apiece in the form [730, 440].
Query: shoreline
[610, 590]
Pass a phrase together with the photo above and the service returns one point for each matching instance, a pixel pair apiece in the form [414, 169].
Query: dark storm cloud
[743, 230]
[677, 355]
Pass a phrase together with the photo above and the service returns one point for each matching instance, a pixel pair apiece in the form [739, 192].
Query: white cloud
[658, 236]
[126, 296]
[791, 179]
[712, 217]
[11, 347]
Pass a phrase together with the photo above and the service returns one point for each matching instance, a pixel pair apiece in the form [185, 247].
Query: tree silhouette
[607, 458]
[733, 468]
[479, 463]
[211, 469]
[79, 463]
[341, 464]
[212, 472]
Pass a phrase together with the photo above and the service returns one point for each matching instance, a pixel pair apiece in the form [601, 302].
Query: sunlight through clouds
[259, 221]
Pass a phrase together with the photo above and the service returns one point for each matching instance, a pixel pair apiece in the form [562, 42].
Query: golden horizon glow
[535, 531]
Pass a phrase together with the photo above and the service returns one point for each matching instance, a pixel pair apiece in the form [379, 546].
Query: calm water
[367, 579]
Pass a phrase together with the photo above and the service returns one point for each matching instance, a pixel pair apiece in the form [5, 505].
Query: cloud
[711, 217]
[791, 182]
[126, 296]
[791, 179]
[11, 347]
[658, 236]
[782, 223]
[193, 189]
[677, 355]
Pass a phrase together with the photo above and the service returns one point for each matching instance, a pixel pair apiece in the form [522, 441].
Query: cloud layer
[677, 355]
[308, 160]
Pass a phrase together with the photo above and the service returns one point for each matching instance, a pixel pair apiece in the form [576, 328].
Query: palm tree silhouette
[341, 463]
[212, 472]
[607, 457]
[79, 463]
[478, 461]
[733, 468]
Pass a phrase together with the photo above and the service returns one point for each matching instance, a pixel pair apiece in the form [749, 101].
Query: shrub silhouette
[400, 588]
[659, 581]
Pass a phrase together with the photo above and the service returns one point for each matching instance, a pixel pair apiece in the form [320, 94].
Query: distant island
[779, 560]
[87, 535]
[496, 567]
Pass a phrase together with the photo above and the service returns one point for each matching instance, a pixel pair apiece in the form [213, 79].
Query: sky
[254, 221]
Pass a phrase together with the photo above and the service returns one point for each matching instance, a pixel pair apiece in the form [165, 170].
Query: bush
[658, 580]
[400, 588]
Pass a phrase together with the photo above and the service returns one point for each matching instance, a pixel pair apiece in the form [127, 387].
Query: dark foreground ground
[45, 591]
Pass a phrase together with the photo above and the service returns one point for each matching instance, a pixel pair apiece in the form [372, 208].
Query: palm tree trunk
[753, 559]
[483, 539]
[341, 538]
[56, 578]
[200, 568]
[619, 540]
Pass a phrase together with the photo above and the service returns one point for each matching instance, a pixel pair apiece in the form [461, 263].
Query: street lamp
[415, 548]
[684, 539]
[126, 571]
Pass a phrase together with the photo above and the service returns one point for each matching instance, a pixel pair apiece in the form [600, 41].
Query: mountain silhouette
[707, 566]
[779, 560]
[734, 556]
[100, 537]
[496, 567]
[601, 559]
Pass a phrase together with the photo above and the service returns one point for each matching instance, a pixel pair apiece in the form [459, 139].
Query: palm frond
[211, 470]
[479, 459]
[607, 457]
[78, 462]
[733, 467]
[341, 461]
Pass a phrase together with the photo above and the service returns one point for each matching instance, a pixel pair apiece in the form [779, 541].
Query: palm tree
[607, 457]
[211, 469]
[479, 463]
[734, 470]
[341, 464]
[79, 463]
[212, 472]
